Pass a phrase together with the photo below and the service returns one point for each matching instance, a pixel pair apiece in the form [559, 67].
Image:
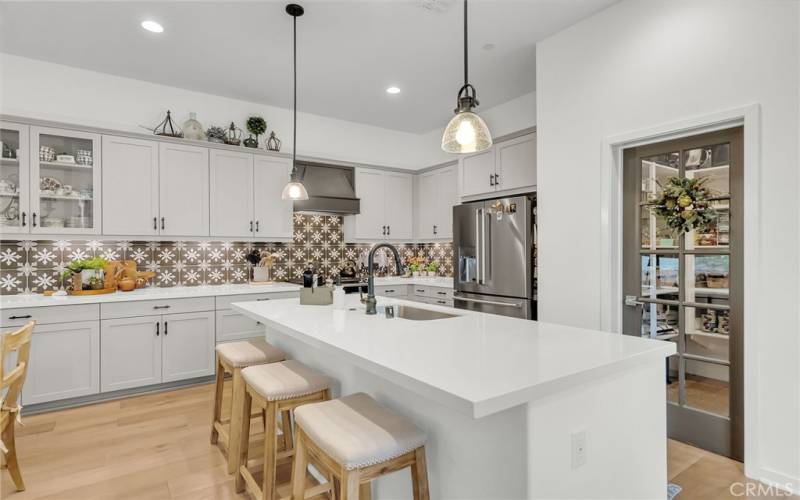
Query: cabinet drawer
[440, 293]
[441, 302]
[391, 291]
[155, 307]
[226, 301]
[420, 290]
[50, 314]
[236, 326]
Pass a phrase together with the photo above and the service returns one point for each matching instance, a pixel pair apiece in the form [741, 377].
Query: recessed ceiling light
[152, 26]
[393, 90]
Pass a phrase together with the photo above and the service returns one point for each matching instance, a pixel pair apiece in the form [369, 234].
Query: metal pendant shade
[466, 132]
[294, 190]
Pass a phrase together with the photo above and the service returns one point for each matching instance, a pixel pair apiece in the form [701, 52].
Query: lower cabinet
[150, 350]
[232, 325]
[64, 362]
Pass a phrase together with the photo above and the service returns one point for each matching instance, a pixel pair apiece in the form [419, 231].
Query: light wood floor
[703, 393]
[157, 447]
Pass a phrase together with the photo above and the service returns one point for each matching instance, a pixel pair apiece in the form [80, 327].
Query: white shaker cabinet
[437, 194]
[272, 215]
[130, 185]
[15, 167]
[231, 194]
[131, 352]
[187, 346]
[386, 206]
[508, 166]
[64, 362]
[184, 190]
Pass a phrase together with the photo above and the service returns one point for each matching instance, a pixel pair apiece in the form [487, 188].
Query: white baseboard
[786, 482]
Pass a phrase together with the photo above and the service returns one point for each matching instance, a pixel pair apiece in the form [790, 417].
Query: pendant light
[294, 190]
[466, 132]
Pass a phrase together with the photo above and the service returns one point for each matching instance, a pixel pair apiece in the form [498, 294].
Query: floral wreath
[685, 204]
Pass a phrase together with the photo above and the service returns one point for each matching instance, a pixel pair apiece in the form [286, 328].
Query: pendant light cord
[466, 59]
[294, 129]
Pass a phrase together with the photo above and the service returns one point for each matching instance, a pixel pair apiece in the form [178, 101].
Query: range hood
[330, 189]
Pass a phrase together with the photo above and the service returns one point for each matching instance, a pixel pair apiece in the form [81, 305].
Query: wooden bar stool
[232, 358]
[275, 388]
[20, 342]
[356, 440]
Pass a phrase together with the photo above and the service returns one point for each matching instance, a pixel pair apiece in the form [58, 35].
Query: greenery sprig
[685, 204]
[256, 125]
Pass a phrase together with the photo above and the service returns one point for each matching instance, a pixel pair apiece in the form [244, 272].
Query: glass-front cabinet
[64, 181]
[14, 169]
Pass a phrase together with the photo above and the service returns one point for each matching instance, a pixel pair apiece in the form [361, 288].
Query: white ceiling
[348, 51]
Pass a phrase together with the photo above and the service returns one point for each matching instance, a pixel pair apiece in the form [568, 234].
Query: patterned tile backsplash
[36, 266]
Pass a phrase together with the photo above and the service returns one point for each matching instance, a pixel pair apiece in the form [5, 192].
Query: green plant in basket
[432, 267]
[685, 204]
[79, 265]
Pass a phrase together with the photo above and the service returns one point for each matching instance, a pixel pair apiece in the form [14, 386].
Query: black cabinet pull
[442, 293]
[20, 317]
[158, 328]
[434, 229]
[259, 300]
[165, 327]
[256, 226]
[162, 223]
[388, 230]
[441, 302]
[384, 230]
[389, 291]
[23, 220]
[496, 179]
[161, 307]
[155, 223]
[491, 179]
[33, 219]
[251, 226]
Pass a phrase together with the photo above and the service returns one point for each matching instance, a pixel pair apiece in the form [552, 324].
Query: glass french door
[687, 288]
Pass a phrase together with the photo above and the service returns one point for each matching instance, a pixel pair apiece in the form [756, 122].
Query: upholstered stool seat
[356, 440]
[357, 431]
[286, 380]
[248, 353]
[275, 389]
[232, 358]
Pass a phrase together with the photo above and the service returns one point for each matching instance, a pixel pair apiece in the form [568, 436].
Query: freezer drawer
[503, 306]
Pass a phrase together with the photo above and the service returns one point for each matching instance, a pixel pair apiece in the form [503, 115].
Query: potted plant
[216, 134]
[432, 268]
[415, 265]
[86, 273]
[256, 126]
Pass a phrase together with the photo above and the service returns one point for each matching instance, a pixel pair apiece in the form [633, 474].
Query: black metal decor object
[168, 127]
[273, 143]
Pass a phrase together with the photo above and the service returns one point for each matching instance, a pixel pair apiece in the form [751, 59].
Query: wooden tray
[92, 292]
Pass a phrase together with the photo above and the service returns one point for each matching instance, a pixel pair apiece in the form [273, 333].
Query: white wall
[642, 64]
[38, 89]
[503, 119]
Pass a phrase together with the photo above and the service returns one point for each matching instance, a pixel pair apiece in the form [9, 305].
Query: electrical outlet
[578, 448]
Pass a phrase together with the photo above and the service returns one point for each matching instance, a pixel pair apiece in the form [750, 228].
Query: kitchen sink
[418, 314]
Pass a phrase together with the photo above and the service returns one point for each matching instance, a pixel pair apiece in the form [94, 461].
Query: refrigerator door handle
[483, 247]
[488, 302]
[478, 243]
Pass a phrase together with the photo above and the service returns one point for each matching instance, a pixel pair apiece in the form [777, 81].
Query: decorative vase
[250, 142]
[193, 129]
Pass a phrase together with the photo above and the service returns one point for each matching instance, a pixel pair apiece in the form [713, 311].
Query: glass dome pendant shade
[294, 189]
[466, 132]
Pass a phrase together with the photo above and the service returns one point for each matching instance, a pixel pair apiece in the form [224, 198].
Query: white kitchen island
[504, 401]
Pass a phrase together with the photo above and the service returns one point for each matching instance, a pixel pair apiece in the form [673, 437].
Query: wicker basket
[717, 281]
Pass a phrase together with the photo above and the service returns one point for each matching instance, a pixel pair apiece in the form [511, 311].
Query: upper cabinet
[183, 190]
[506, 166]
[130, 185]
[246, 196]
[386, 206]
[64, 181]
[14, 184]
[437, 194]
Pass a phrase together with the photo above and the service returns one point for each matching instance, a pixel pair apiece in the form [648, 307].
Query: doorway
[687, 287]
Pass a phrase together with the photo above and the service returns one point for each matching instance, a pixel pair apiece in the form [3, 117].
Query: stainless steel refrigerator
[494, 256]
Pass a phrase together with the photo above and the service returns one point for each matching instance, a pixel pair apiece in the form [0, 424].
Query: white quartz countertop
[475, 363]
[178, 292]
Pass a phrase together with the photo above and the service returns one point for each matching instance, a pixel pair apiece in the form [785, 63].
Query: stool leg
[11, 456]
[244, 442]
[299, 469]
[286, 426]
[349, 487]
[270, 445]
[237, 416]
[217, 413]
[419, 475]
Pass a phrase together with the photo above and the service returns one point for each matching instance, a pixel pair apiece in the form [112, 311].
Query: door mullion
[681, 301]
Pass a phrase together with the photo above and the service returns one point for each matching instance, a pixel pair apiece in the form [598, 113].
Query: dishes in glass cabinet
[47, 153]
[65, 159]
[83, 156]
[49, 184]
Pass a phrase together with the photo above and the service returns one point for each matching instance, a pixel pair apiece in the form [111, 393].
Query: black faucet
[371, 302]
